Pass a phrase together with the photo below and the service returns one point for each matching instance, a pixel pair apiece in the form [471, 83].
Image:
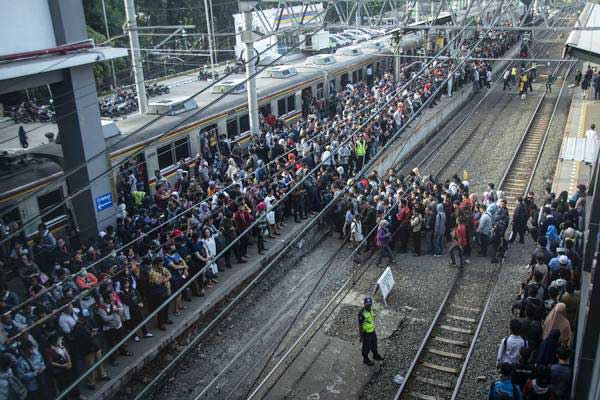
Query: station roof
[24, 69]
[585, 44]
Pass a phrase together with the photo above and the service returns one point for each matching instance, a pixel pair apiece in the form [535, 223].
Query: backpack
[16, 389]
[505, 340]
[515, 393]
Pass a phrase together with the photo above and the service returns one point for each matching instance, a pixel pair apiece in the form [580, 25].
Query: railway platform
[583, 112]
[231, 281]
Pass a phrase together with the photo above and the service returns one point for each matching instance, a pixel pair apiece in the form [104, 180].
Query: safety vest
[533, 65]
[368, 325]
[513, 71]
[360, 148]
[138, 197]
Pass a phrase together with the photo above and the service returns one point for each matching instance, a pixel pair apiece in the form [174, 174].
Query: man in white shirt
[510, 346]
[591, 142]
[68, 318]
[506, 78]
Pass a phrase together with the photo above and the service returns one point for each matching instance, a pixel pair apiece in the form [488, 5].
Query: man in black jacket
[87, 346]
[519, 221]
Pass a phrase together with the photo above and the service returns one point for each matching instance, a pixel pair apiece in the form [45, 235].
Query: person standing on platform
[366, 329]
[597, 87]
[591, 142]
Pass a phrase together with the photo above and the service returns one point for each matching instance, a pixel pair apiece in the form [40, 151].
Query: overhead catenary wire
[315, 319]
[228, 247]
[149, 144]
[193, 342]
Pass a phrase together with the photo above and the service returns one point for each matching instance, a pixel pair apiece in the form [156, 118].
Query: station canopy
[585, 44]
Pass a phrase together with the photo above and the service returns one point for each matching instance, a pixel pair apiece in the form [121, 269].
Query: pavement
[331, 367]
[582, 113]
[36, 131]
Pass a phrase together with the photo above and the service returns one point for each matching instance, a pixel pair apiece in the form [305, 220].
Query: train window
[12, 216]
[182, 148]
[320, 90]
[281, 107]
[47, 202]
[244, 123]
[354, 76]
[265, 109]
[360, 75]
[232, 128]
[344, 80]
[165, 157]
[332, 88]
[291, 103]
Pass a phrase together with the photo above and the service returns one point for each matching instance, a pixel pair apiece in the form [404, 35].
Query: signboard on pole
[385, 283]
[104, 201]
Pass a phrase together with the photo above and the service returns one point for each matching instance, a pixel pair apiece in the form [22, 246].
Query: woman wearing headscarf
[547, 352]
[552, 237]
[232, 169]
[557, 319]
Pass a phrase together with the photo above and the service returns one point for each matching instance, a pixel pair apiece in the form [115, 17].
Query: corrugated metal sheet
[578, 149]
[586, 44]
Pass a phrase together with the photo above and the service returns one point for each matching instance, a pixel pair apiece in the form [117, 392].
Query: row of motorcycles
[30, 111]
[124, 100]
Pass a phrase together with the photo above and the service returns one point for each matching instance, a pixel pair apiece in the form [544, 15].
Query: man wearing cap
[560, 261]
[366, 329]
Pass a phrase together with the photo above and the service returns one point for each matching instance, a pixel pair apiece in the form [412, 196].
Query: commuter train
[282, 91]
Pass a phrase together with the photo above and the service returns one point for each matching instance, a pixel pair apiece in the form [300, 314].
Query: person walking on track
[506, 78]
[366, 329]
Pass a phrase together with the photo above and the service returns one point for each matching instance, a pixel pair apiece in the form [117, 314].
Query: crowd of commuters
[68, 301]
[534, 359]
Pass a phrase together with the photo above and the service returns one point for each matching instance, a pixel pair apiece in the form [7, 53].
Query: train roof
[30, 168]
[209, 105]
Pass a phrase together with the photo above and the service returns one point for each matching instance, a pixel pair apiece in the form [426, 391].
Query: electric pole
[112, 62]
[248, 37]
[136, 57]
[210, 40]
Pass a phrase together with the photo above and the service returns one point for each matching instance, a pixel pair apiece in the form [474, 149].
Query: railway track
[463, 130]
[438, 367]
[440, 363]
[519, 174]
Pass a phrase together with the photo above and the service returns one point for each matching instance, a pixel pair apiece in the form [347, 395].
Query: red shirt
[403, 216]
[461, 235]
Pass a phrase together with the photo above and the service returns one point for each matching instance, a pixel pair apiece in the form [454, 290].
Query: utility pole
[136, 58]
[210, 40]
[112, 62]
[248, 37]
[396, 44]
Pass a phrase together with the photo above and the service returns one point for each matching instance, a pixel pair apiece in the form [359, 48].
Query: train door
[344, 80]
[209, 140]
[307, 95]
[139, 169]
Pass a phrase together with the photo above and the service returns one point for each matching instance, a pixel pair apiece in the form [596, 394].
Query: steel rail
[463, 370]
[455, 130]
[547, 133]
[528, 129]
[486, 308]
[521, 141]
[424, 342]
[491, 290]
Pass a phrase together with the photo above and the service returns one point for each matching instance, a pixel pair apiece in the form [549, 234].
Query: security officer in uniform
[366, 328]
[361, 152]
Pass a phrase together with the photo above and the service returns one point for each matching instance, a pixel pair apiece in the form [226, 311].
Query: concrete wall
[25, 25]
